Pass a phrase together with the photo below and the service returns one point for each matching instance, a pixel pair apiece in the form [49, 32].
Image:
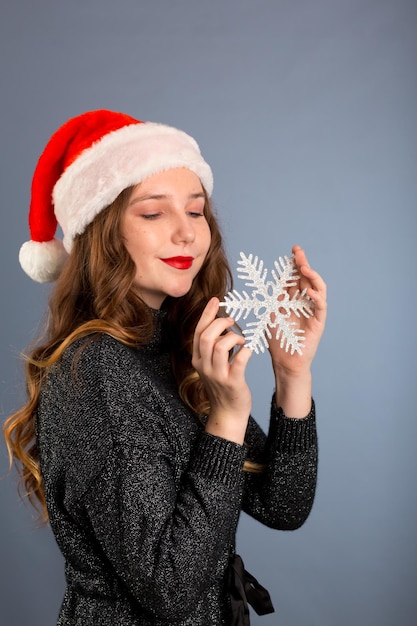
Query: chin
[179, 292]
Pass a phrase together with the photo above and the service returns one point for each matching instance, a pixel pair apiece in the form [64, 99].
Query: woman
[137, 439]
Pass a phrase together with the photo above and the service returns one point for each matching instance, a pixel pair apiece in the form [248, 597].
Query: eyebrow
[161, 196]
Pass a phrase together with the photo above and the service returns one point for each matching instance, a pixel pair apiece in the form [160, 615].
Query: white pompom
[43, 261]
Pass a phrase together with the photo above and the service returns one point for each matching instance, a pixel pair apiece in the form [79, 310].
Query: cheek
[127, 242]
[207, 238]
[137, 240]
[124, 232]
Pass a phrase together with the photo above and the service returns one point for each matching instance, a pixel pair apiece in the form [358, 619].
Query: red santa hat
[85, 165]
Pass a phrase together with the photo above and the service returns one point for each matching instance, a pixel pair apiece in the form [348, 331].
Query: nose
[184, 231]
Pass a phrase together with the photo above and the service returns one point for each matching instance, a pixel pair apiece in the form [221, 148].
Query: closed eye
[150, 216]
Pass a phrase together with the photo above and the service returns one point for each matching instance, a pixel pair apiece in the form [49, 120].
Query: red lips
[180, 262]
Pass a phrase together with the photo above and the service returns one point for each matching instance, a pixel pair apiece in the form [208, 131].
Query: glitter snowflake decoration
[270, 303]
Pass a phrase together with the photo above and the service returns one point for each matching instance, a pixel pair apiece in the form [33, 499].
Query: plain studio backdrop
[306, 110]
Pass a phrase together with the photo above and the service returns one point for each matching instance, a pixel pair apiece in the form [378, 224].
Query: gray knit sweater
[143, 503]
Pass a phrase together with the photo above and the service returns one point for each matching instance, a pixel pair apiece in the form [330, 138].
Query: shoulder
[102, 377]
[76, 387]
[90, 360]
[95, 350]
[79, 409]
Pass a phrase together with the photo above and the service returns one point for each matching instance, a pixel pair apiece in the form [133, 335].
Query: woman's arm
[281, 496]
[293, 371]
[167, 542]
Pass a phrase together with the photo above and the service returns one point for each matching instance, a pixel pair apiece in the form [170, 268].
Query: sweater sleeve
[163, 543]
[165, 531]
[281, 496]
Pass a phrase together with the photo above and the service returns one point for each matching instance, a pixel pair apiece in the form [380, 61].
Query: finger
[312, 281]
[221, 351]
[241, 359]
[320, 302]
[320, 308]
[304, 267]
[215, 345]
[301, 261]
[299, 256]
[208, 315]
[210, 336]
[315, 280]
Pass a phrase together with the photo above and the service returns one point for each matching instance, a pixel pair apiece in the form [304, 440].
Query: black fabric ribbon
[244, 589]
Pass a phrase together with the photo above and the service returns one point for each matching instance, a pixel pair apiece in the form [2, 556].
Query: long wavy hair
[95, 293]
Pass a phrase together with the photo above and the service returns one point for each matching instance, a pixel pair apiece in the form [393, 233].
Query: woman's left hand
[313, 326]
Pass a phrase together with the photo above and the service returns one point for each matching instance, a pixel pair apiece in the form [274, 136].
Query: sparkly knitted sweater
[143, 503]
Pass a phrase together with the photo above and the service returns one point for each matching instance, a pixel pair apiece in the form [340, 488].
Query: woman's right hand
[224, 380]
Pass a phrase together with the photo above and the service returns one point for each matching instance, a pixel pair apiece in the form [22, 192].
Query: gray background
[306, 111]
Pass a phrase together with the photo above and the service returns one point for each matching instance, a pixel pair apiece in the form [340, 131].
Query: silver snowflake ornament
[270, 303]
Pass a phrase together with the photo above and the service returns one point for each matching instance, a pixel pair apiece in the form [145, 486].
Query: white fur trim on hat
[43, 261]
[122, 158]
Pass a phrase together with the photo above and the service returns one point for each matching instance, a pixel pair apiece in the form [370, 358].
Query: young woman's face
[166, 234]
